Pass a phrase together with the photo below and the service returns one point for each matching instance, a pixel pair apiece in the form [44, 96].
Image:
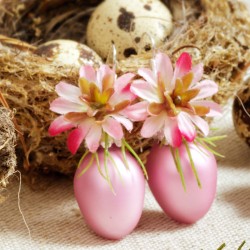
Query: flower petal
[123, 81]
[76, 137]
[88, 72]
[152, 125]
[59, 125]
[198, 72]
[164, 69]
[136, 112]
[207, 88]
[186, 126]
[148, 75]
[183, 65]
[124, 121]
[172, 132]
[63, 106]
[200, 123]
[93, 137]
[215, 109]
[105, 77]
[113, 128]
[145, 91]
[68, 92]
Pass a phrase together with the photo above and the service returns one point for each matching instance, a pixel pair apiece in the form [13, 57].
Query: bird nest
[214, 32]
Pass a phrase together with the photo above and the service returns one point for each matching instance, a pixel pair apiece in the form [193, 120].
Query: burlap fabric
[55, 222]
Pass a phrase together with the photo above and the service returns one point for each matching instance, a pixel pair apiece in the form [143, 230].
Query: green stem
[124, 155]
[99, 166]
[116, 167]
[106, 153]
[82, 158]
[222, 246]
[176, 158]
[242, 244]
[130, 149]
[192, 164]
[88, 165]
[208, 148]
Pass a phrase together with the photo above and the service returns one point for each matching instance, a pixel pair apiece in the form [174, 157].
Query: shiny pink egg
[165, 182]
[111, 215]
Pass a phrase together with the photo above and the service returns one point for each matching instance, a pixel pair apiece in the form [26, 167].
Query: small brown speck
[147, 7]
[125, 20]
[129, 51]
[110, 19]
[137, 39]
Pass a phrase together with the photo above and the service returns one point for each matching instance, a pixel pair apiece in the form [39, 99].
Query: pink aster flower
[93, 108]
[173, 99]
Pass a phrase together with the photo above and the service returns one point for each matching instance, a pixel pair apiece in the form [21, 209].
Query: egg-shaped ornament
[110, 198]
[70, 53]
[125, 24]
[190, 205]
[241, 113]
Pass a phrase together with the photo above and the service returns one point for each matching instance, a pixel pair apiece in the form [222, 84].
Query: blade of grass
[136, 157]
[176, 158]
[88, 166]
[192, 164]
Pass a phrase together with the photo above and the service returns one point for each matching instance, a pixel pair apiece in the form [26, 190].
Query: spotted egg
[125, 24]
[68, 52]
[241, 115]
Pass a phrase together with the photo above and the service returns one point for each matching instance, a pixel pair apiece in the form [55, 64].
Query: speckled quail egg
[68, 52]
[125, 23]
[240, 117]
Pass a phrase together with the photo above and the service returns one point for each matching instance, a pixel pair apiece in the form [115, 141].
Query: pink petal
[68, 92]
[118, 97]
[207, 88]
[123, 81]
[186, 126]
[124, 121]
[113, 128]
[200, 123]
[145, 91]
[136, 112]
[164, 68]
[183, 65]
[59, 125]
[62, 106]
[172, 132]
[93, 137]
[215, 109]
[198, 72]
[88, 72]
[152, 125]
[76, 137]
[102, 72]
[148, 75]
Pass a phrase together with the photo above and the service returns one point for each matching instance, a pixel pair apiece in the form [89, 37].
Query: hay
[7, 147]
[215, 32]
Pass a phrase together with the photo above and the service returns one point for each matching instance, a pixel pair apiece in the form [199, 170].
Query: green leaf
[130, 149]
[177, 161]
[192, 164]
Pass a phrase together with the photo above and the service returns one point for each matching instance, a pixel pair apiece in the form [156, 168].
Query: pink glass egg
[110, 215]
[165, 183]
